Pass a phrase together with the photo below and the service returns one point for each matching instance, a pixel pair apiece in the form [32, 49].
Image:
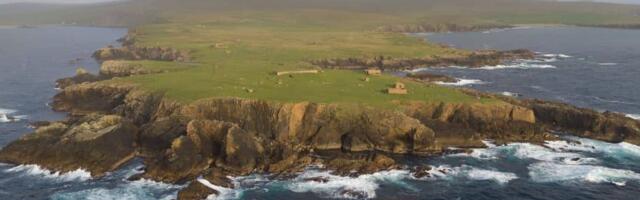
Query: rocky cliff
[210, 139]
[213, 138]
[473, 59]
[440, 28]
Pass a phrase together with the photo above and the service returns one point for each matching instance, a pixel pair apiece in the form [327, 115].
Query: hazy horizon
[57, 1]
[103, 1]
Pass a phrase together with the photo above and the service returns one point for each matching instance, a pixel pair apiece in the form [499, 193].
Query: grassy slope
[257, 44]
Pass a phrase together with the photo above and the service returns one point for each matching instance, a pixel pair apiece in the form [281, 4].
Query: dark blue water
[602, 72]
[599, 71]
[30, 61]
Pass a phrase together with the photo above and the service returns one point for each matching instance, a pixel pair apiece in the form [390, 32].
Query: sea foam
[551, 172]
[462, 82]
[35, 170]
[624, 152]
[522, 65]
[142, 189]
[445, 172]
[634, 116]
[223, 192]
[341, 187]
[528, 151]
[4, 115]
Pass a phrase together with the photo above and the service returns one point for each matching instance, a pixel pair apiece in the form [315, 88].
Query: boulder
[95, 143]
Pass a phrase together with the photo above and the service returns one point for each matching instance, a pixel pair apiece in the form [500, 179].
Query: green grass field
[238, 57]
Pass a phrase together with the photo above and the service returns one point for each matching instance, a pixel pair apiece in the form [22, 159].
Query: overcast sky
[100, 1]
[54, 1]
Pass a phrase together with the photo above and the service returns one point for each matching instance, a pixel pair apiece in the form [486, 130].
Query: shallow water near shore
[587, 71]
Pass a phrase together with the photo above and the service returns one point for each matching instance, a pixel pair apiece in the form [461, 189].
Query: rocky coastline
[110, 124]
[440, 28]
[474, 59]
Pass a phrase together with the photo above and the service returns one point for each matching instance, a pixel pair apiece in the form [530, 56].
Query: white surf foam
[607, 64]
[522, 65]
[341, 187]
[551, 172]
[140, 189]
[223, 192]
[4, 115]
[529, 152]
[35, 170]
[634, 116]
[548, 55]
[462, 82]
[510, 94]
[623, 151]
[471, 173]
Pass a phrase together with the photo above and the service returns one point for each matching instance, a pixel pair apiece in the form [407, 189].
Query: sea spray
[461, 82]
[142, 189]
[551, 172]
[35, 170]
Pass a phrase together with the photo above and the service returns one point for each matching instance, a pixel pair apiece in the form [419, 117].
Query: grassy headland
[239, 45]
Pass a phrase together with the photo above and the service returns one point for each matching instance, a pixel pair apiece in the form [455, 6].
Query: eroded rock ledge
[214, 138]
[439, 28]
[474, 59]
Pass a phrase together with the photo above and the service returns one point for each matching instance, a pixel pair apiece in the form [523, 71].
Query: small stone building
[373, 71]
[398, 88]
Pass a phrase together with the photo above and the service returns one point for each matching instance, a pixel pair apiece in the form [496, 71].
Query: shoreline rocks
[472, 60]
[210, 139]
[131, 52]
[111, 123]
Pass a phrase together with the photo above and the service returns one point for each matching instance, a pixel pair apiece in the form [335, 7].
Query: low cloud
[56, 1]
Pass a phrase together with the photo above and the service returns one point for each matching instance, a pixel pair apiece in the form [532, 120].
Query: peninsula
[231, 89]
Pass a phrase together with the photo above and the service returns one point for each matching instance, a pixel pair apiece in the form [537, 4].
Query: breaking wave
[333, 186]
[634, 116]
[624, 152]
[471, 173]
[551, 172]
[462, 82]
[35, 170]
[5, 116]
[510, 94]
[607, 64]
[548, 55]
[141, 189]
[223, 192]
[528, 151]
[522, 65]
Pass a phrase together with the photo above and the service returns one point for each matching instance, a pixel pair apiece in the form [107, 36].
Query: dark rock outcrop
[439, 28]
[474, 59]
[78, 79]
[95, 143]
[238, 136]
[132, 52]
[431, 78]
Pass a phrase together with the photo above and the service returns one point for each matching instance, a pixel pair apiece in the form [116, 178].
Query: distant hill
[138, 12]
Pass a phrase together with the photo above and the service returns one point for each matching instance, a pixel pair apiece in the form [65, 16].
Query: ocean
[588, 67]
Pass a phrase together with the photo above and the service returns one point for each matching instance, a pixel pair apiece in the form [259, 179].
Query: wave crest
[462, 82]
[35, 170]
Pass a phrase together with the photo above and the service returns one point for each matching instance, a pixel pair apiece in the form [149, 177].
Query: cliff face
[218, 137]
[132, 52]
[440, 28]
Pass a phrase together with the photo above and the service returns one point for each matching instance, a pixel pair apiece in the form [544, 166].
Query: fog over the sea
[56, 1]
[102, 1]
[610, 1]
